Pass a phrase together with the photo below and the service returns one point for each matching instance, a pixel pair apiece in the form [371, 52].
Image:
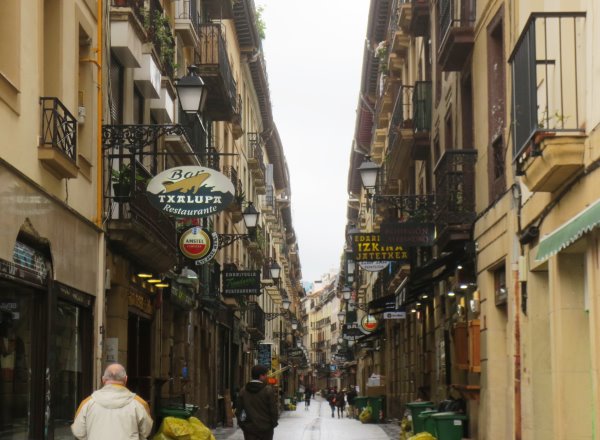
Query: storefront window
[68, 375]
[16, 336]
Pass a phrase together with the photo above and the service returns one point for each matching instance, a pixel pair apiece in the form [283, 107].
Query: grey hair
[115, 372]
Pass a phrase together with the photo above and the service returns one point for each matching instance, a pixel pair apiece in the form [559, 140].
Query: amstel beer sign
[198, 244]
[190, 191]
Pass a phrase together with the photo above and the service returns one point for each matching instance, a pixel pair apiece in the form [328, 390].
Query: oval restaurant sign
[368, 324]
[373, 266]
[190, 191]
[198, 244]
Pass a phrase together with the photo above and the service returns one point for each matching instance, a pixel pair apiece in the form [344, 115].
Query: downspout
[517, 366]
[102, 273]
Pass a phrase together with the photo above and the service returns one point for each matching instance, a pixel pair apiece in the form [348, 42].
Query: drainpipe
[102, 273]
[517, 366]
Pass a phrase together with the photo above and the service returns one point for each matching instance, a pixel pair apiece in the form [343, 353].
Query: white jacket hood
[113, 396]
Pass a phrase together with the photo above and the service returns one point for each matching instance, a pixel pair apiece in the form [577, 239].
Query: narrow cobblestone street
[316, 423]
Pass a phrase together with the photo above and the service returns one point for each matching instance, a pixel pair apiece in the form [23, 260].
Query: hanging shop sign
[407, 234]
[140, 301]
[264, 355]
[367, 247]
[190, 191]
[368, 324]
[396, 314]
[241, 282]
[352, 332]
[373, 266]
[182, 295]
[295, 353]
[198, 244]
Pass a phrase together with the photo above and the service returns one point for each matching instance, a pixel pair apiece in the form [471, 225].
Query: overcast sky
[314, 52]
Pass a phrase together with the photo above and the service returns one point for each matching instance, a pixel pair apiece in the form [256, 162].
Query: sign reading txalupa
[190, 191]
[367, 247]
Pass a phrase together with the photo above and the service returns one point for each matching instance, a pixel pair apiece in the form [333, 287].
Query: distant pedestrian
[331, 399]
[307, 397]
[350, 396]
[112, 412]
[340, 403]
[256, 408]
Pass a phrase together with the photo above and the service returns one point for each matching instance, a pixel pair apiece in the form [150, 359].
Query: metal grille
[422, 106]
[455, 188]
[402, 113]
[453, 16]
[59, 127]
[548, 77]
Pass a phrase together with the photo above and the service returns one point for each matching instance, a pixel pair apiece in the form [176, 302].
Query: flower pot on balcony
[121, 191]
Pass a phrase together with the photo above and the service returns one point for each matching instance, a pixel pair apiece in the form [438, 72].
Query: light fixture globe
[250, 216]
[294, 325]
[341, 316]
[286, 303]
[351, 266]
[340, 340]
[275, 270]
[368, 172]
[191, 91]
[347, 293]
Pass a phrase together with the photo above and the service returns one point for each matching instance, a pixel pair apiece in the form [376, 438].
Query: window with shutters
[115, 99]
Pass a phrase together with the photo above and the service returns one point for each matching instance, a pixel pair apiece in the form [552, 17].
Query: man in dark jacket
[256, 408]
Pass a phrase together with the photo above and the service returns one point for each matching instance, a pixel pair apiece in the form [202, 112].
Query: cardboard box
[375, 391]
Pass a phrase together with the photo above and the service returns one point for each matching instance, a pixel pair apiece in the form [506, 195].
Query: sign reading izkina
[190, 191]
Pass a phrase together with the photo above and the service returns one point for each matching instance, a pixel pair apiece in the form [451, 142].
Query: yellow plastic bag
[422, 436]
[160, 436]
[176, 429]
[201, 431]
[366, 414]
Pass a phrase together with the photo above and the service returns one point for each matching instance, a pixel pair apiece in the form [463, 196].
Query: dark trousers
[263, 435]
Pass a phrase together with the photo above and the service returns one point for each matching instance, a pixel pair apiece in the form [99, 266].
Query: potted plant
[121, 182]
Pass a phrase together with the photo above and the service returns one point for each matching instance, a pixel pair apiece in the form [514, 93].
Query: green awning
[567, 234]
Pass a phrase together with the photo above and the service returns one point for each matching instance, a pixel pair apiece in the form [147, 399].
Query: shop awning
[567, 234]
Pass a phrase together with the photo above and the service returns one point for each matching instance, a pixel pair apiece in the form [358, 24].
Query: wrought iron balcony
[58, 145]
[214, 68]
[255, 320]
[455, 196]
[235, 208]
[136, 6]
[550, 52]
[456, 33]
[414, 17]
[422, 104]
[256, 162]
[187, 21]
[135, 227]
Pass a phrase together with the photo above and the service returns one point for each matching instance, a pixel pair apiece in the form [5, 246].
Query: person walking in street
[256, 408]
[113, 412]
[307, 396]
[340, 403]
[331, 397]
[350, 396]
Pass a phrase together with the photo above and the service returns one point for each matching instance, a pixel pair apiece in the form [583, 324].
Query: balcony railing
[188, 10]
[255, 153]
[231, 172]
[215, 69]
[422, 107]
[456, 36]
[59, 127]
[137, 6]
[255, 319]
[455, 191]
[548, 68]
[402, 113]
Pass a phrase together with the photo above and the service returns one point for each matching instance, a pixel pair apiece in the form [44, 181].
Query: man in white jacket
[113, 412]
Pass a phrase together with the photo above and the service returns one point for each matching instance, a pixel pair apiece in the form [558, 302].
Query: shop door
[139, 337]
[73, 358]
[22, 360]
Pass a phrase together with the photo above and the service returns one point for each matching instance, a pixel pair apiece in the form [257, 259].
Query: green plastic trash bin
[360, 403]
[417, 408]
[449, 425]
[378, 406]
[427, 422]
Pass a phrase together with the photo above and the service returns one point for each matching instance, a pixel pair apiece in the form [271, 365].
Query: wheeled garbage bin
[378, 406]
[417, 408]
[427, 422]
[449, 425]
[360, 403]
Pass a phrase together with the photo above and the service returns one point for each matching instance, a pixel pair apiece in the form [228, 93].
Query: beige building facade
[480, 119]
